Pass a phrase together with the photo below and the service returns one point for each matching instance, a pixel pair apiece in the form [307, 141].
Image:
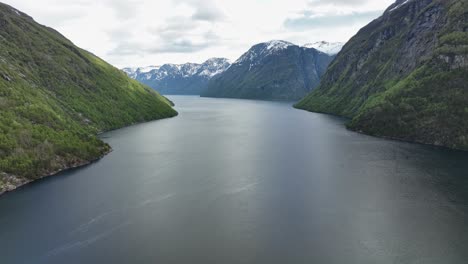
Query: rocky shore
[9, 182]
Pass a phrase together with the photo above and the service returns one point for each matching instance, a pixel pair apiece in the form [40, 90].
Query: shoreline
[23, 182]
[20, 182]
[416, 142]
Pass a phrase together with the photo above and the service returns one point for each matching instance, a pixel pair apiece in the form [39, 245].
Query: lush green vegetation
[55, 98]
[404, 76]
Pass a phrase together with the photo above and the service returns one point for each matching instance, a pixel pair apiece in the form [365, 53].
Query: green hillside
[55, 98]
[405, 75]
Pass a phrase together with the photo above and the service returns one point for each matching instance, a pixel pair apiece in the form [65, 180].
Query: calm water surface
[234, 181]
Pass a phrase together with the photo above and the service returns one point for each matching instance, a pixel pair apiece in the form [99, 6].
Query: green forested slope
[405, 75]
[55, 98]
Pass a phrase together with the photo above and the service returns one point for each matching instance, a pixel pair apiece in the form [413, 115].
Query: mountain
[189, 78]
[275, 70]
[404, 76]
[55, 98]
[331, 48]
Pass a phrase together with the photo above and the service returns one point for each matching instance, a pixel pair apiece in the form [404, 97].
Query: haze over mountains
[188, 78]
[195, 79]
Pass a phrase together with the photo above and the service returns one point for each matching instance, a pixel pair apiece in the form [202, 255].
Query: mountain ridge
[273, 70]
[187, 78]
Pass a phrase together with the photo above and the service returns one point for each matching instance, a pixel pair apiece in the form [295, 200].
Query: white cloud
[148, 32]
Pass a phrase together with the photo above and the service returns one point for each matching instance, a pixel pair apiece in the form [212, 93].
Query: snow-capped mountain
[188, 78]
[134, 72]
[330, 48]
[254, 56]
[277, 70]
[264, 50]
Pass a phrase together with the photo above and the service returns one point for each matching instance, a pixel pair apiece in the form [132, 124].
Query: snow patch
[276, 45]
[263, 50]
[398, 6]
[16, 11]
[148, 69]
[208, 70]
[330, 48]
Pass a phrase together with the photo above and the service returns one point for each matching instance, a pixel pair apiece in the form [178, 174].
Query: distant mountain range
[193, 78]
[274, 70]
[404, 75]
[176, 79]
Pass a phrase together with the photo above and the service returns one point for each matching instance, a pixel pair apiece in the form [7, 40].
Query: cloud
[204, 10]
[339, 2]
[124, 9]
[309, 20]
[208, 14]
[178, 35]
[182, 45]
[148, 32]
[187, 33]
[328, 14]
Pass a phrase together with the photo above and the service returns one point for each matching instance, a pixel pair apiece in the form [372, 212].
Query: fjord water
[235, 181]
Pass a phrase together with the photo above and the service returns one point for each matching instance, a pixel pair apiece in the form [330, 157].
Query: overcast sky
[154, 32]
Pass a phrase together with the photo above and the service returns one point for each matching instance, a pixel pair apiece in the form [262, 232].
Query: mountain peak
[264, 49]
[277, 45]
[330, 48]
[274, 70]
[214, 66]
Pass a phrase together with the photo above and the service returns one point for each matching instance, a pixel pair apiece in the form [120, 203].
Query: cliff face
[276, 70]
[404, 75]
[55, 98]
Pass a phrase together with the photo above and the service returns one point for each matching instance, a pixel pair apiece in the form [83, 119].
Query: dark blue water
[234, 181]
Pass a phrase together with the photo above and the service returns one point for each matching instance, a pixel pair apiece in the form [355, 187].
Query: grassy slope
[426, 104]
[55, 98]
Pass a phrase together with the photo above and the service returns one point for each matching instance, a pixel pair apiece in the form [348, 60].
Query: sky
[132, 33]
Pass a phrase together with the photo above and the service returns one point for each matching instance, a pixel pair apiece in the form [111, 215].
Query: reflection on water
[235, 181]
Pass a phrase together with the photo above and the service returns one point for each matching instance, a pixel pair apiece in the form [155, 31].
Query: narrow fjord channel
[237, 181]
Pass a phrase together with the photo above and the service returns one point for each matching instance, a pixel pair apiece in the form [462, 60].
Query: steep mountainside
[275, 70]
[55, 98]
[405, 75]
[189, 78]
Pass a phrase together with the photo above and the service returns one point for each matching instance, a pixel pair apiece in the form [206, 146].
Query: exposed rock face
[404, 75]
[275, 70]
[10, 182]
